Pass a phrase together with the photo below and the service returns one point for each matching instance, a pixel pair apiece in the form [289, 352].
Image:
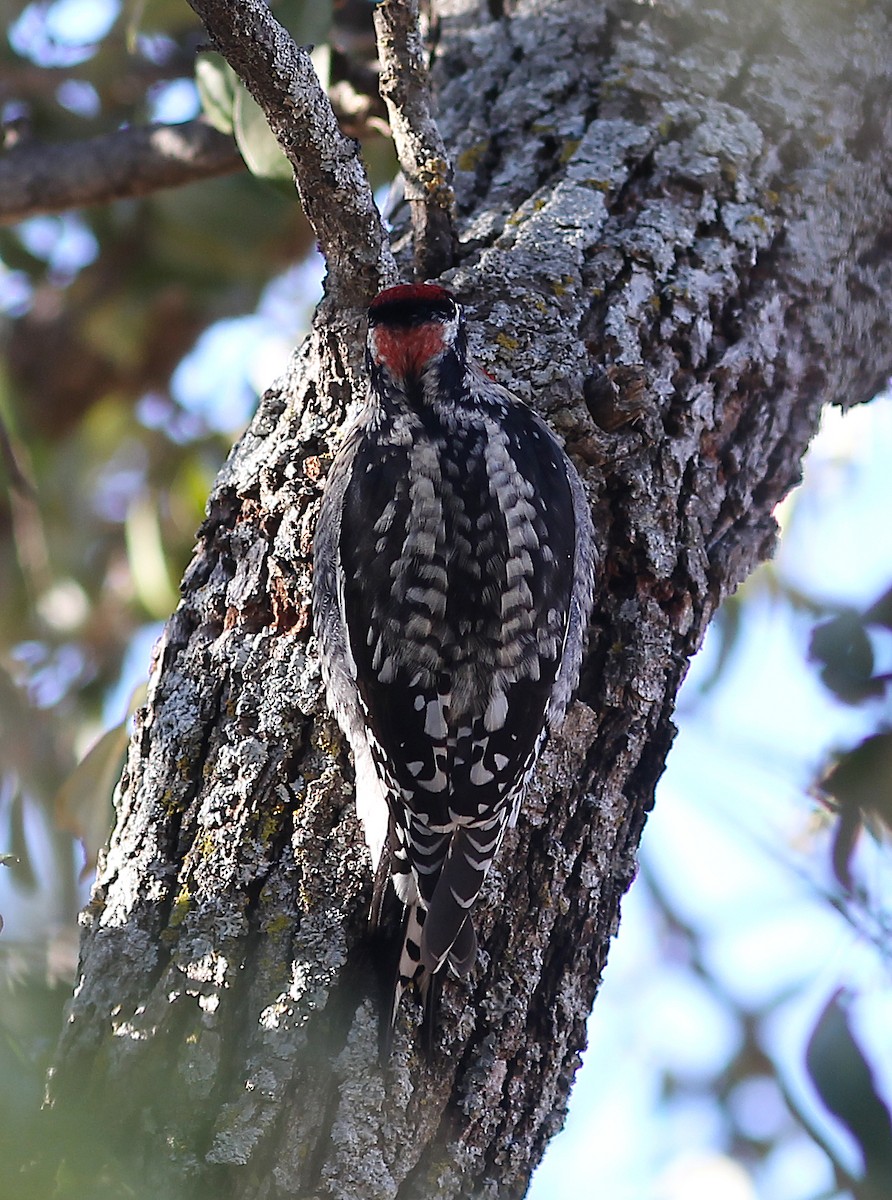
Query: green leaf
[843, 646]
[133, 13]
[256, 141]
[217, 85]
[308, 21]
[845, 1082]
[862, 778]
[145, 554]
[83, 802]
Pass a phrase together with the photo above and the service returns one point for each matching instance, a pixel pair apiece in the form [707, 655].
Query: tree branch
[39, 178]
[405, 88]
[330, 177]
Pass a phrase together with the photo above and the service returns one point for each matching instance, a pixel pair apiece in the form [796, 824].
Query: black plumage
[454, 577]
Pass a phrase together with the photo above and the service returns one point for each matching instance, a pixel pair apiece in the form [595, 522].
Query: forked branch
[405, 88]
[330, 177]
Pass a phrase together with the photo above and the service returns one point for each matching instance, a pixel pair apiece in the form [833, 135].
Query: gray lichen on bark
[674, 233]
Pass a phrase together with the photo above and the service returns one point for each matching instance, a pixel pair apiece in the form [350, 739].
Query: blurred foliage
[858, 789]
[845, 1081]
[858, 784]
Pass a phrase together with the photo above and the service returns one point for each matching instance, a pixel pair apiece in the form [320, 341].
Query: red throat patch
[407, 352]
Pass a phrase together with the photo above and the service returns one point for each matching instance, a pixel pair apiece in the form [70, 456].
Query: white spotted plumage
[453, 585]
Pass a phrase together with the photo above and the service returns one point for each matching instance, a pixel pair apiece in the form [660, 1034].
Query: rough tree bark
[675, 226]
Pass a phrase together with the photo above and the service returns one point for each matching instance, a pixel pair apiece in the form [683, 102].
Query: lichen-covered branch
[427, 172]
[330, 177]
[36, 177]
[673, 239]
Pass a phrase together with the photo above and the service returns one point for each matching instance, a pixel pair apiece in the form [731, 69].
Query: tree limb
[281, 78]
[39, 178]
[422, 153]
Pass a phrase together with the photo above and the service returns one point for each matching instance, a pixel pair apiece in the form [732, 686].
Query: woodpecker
[452, 590]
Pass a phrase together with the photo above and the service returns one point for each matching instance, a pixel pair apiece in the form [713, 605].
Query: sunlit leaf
[132, 13]
[145, 553]
[217, 85]
[256, 141]
[84, 801]
[321, 60]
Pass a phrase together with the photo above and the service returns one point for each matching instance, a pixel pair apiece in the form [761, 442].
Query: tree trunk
[675, 230]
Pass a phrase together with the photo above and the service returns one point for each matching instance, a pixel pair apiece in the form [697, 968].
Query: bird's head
[411, 326]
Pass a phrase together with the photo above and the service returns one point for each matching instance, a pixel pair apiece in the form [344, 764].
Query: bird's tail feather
[448, 928]
[438, 927]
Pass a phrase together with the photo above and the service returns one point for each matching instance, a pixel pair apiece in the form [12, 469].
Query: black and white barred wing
[457, 556]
